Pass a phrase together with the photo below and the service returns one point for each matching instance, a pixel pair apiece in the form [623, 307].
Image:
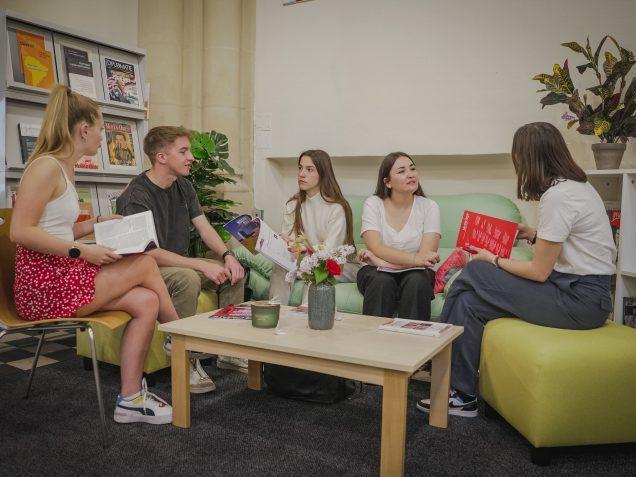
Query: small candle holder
[265, 314]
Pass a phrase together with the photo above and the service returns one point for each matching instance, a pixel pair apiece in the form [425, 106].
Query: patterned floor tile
[63, 355]
[47, 348]
[13, 355]
[26, 363]
[14, 337]
[5, 370]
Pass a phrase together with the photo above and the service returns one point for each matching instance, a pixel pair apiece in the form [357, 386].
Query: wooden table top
[353, 339]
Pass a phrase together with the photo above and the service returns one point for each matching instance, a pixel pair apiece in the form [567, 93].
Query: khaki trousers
[185, 284]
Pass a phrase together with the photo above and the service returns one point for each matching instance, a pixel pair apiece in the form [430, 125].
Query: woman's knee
[143, 304]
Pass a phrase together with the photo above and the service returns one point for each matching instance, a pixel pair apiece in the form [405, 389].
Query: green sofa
[348, 298]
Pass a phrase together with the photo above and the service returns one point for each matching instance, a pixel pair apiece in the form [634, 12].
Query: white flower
[340, 260]
[323, 254]
[290, 277]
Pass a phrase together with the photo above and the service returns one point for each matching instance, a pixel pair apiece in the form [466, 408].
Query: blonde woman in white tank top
[58, 277]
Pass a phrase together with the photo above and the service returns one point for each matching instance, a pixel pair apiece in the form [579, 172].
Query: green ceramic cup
[265, 314]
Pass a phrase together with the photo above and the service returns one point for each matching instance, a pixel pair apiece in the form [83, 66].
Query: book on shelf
[120, 149]
[629, 311]
[416, 327]
[491, 233]
[28, 134]
[79, 71]
[35, 60]
[12, 193]
[121, 81]
[133, 234]
[614, 216]
[255, 235]
[87, 203]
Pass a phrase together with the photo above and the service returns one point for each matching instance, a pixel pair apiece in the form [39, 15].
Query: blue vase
[322, 306]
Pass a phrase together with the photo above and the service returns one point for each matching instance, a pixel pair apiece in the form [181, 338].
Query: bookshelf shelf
[617, 188]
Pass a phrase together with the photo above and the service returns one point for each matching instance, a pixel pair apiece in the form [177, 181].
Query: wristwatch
[74, 251]
[226, 253]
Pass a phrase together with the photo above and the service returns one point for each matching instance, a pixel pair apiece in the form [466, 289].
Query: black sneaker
[456, 406]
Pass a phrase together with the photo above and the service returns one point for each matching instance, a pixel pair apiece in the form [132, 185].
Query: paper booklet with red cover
[483, 231]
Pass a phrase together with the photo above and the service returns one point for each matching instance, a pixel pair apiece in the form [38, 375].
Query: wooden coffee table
[354, 349]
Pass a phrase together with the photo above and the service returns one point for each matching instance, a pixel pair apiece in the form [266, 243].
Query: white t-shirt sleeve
[337, 227]
[372, 215]
[557, 215]
[432, 223]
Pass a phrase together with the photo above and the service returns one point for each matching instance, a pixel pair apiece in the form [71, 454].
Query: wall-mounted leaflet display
[31, 62]
[78, 66]
[120, 146]
[120, 76]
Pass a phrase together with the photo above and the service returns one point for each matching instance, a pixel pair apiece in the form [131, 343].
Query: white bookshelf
[617, 187]
[22, 103]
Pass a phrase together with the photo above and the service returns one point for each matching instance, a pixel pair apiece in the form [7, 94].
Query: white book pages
[133, 234]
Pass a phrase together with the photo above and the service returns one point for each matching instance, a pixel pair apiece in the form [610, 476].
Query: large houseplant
[210, 169]
[610, 113]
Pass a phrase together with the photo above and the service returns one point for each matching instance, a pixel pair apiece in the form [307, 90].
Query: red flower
[333, 268]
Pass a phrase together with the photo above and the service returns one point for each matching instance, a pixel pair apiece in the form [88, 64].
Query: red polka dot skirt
[49, 286]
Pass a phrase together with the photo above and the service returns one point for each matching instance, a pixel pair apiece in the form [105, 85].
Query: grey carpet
[238, 432]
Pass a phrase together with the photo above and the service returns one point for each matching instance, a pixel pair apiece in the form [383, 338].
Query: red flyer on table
[483, 231]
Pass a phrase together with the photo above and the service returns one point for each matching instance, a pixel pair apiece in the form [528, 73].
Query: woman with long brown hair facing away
[55, 276]
[320, 213]
[401, 229]
[567, 282]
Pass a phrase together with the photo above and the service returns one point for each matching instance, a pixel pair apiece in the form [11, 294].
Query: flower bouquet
[319, 268]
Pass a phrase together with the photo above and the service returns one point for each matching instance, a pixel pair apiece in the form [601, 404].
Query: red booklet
[483, 231]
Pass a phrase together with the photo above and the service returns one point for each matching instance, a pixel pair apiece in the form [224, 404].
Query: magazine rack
[35, 54]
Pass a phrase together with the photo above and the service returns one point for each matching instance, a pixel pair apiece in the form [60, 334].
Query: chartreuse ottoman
[107, 340]
[561, 387]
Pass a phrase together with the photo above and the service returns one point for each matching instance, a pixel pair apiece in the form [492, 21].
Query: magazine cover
[119, 145]
[36, 61]
[89, 163]
[28, 137]
[107, 199]
[86, 203]
[79, 71]
[245, 229]
[416, 327]
[483, 231]
[121, 81]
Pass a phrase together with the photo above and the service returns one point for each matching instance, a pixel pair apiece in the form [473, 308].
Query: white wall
[113, 20]
[443, 79]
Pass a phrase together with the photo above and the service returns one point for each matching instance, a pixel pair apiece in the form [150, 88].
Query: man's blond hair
[160, 137]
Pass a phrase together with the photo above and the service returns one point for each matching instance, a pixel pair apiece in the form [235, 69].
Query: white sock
[132, 397]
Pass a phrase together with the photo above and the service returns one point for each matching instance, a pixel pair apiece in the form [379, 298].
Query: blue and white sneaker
[456, 405]
[145, 407]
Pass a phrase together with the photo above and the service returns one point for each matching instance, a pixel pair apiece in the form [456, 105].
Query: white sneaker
[200, 382]
[146, 407]
[234, 364]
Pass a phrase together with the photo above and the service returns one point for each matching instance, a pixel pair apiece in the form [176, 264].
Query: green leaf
[626, 55]
[542, 77]
[553, 98]
[222, 146]
[608, 64]
[598, 50]
[573, 45]
[601, 126]
[320, 274]
[572, 123]
[586, 127]
[601, 91]
[588, 49]
[582, 68]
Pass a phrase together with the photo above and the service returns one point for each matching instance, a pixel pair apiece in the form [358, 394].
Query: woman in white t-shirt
[566, 284]
[401, 229]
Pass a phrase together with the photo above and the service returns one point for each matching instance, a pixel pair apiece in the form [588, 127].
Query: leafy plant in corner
[210, 169]
[613, 119]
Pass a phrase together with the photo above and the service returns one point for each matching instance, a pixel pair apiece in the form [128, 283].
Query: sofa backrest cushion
[452, 208]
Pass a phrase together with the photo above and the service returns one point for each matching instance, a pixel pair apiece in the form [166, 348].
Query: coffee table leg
[394, 393]
[180, 383]
[255, 375]
[440, 384]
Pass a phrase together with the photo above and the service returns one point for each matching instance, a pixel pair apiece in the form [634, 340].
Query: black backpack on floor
[305, 385]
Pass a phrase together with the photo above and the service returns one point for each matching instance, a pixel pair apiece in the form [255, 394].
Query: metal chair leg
[98, 386]
[35, 363]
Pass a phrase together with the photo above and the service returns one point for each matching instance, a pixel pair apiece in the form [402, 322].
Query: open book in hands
[133, 234]
[256, 236]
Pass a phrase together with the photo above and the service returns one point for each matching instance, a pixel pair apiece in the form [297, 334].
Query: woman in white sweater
[318, 211]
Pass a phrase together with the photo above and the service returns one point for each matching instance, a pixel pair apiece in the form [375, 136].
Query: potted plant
[210, 169]
[610, 114]
[319, 268]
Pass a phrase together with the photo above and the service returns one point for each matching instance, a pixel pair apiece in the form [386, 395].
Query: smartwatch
[74, 251]
[226, 253]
